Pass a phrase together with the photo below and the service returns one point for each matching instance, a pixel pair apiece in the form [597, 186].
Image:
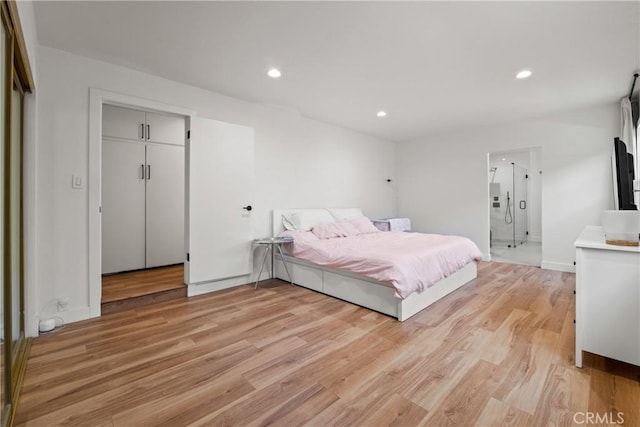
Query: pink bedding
[411, 262]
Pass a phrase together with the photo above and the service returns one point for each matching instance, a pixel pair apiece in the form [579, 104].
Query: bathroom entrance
[514, 207]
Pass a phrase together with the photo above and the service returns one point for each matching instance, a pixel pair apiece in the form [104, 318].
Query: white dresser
[607, 298]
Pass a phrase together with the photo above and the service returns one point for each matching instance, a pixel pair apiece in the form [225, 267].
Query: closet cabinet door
[165, 129]
[221, 187]
[119, 122]
[123, 207]
[165, 205]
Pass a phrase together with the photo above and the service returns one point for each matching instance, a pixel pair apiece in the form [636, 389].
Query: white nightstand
[271, 244]
[393, 224]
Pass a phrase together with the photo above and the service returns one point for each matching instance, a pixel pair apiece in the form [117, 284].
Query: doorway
[142, 286]
[515, 207]
[142, 205]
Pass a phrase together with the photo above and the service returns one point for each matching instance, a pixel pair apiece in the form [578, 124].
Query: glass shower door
[519, 205]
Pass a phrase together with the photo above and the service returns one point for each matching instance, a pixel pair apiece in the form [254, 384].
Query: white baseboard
[558, 266]
[486, 257]
[70, 316]
[206, 287]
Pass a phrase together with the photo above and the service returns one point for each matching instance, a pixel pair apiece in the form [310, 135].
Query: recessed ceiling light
[503, 159]
[523, 74]
[381, 113]
[274, 73]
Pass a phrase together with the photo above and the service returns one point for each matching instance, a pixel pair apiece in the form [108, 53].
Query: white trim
[97, 97]
[488, 224]
[71, 316]
[30, 209]
[558, 266]
[536, 239]
[206, 287]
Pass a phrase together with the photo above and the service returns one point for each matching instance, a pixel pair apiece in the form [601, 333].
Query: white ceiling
[430, 65]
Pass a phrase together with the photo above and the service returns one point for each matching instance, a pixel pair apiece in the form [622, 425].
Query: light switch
[76, 181]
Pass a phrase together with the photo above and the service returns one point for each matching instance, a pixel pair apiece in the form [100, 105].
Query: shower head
[493, 169]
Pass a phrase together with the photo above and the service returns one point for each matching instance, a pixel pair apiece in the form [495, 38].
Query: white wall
[298, 163]
[535, 196]
[443, 186]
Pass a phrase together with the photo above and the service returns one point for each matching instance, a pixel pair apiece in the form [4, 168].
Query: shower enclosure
[508, 205]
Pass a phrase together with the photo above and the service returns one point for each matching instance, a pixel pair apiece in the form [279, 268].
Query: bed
[377, 295]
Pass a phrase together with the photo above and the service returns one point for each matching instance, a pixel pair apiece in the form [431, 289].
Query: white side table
[271, 244]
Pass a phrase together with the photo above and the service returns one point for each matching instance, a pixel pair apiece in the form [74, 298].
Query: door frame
[98, 97]
[488, 163]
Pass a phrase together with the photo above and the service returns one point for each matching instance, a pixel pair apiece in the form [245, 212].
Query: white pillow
[305, 220]
[346, 213]
[364, 225]
[287, 224]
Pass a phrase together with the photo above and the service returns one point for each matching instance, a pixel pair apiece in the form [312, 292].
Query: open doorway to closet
[515, 197]
[143, 205]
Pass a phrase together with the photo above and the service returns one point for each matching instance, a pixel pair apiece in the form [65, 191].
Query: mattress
[410, 262]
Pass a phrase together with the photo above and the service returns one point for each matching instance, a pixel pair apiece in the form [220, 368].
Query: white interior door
[123, 207]
[165, 128]
[165, 205]
[220, 187]
[120, 122]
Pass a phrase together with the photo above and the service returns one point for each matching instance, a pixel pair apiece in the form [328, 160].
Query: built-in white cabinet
[123, 206]
[137, 125]
[164, 128]
[143, 183]
[607, 298]
[164, 205]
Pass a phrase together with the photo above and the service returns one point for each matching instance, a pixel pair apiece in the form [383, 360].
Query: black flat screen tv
[624, 176]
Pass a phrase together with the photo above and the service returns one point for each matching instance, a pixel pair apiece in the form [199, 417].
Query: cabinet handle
[148, 172]
[142, 131]
[141, 171]
[148, 131]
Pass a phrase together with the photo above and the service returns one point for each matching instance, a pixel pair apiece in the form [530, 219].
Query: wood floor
[498, 351]
[121, 286]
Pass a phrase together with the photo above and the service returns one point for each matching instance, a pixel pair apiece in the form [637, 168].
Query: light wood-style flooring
[121, 286]
[499, 351]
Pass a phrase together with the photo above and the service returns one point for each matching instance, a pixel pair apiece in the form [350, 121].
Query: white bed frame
[378, 296]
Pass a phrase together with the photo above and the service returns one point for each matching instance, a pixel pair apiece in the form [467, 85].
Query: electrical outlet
[63, 304]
